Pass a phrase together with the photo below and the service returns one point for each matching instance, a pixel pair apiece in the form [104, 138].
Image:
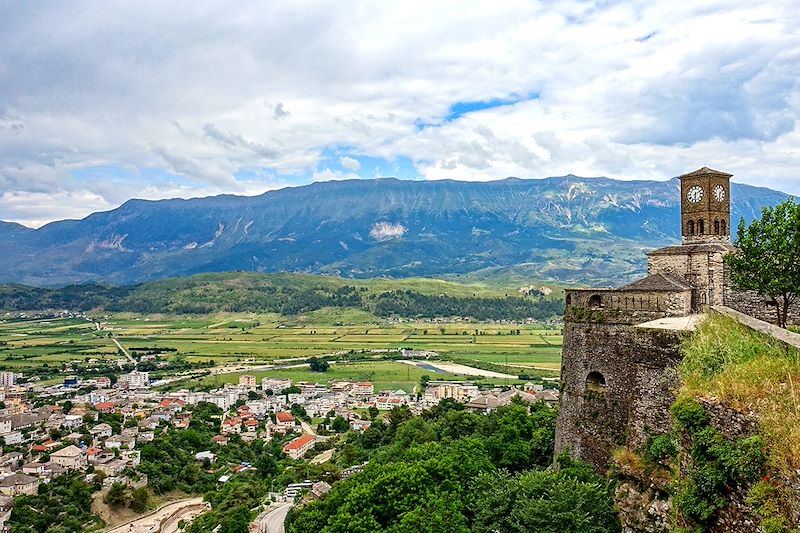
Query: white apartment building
[460, 391]
[134, 380]
[8, 379]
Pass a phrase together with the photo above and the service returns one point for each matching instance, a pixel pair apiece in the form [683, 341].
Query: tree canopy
[453, 471]
[767, 257]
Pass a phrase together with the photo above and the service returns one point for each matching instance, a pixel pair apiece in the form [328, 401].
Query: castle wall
[703, 270]
[639, 369]
[756, 306]
[624, 306]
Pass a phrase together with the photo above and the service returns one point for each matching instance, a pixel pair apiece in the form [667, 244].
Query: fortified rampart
[617, 379]
[752, 304]
[622, 346]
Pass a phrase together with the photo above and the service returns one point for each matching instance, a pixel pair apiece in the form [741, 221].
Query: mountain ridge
[565, 229]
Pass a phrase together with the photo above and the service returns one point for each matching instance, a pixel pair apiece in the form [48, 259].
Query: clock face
[695, 194]
[719, 193]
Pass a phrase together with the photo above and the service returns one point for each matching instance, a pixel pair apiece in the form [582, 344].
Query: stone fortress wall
[622, 346]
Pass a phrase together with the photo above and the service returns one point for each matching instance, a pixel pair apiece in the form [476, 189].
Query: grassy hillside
[725, 473]
[748, 371]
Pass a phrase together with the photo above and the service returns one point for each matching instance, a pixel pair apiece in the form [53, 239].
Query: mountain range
[565, 229]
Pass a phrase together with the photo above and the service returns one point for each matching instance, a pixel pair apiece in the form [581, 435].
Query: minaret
[705, 206]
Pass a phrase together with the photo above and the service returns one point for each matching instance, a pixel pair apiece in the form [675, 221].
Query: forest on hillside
[183, 296]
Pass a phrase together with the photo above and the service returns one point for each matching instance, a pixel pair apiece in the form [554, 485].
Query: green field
[385, 375]
[230, 339]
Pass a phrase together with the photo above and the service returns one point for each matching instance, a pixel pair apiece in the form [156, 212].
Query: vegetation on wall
[746, 370]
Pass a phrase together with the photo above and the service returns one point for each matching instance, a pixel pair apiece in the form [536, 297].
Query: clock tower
[705, 206]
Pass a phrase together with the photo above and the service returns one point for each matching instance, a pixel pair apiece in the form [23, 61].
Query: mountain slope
[563, 229]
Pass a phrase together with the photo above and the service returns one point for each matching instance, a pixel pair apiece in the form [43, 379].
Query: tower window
[690, 227]
[716, 226]
[595, 382]
[595, 301]
[701, 227]
[723, 227]
[568, 299]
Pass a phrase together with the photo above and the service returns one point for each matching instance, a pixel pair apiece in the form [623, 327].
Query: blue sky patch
[460, 109]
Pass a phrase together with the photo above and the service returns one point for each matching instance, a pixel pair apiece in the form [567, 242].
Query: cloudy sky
[104, 101]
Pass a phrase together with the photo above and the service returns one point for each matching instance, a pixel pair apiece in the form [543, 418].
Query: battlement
[625, 305]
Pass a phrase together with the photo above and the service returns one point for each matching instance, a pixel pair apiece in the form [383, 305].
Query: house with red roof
[232, 425]
[105, 407]
[298, 447]
[284, 422]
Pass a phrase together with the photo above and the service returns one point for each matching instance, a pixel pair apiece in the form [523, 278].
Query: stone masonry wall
[750, 303]
[611, 306]
[638, 367]
[705, 271]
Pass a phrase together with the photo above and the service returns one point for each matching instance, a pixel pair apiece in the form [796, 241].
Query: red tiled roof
[284, 417]
[299, 442]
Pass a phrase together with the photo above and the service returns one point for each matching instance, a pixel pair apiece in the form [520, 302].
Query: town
[97, 428]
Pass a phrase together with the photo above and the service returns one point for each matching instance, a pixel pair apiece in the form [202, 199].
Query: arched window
[690, 227]
[701, 227]
[595, 382]
[723, 227]
[716, 226]
[595, 301]
[568, 299]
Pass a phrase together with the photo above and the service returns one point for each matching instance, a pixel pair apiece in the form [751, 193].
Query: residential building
[362, 389]
[247, 380]
[69, 457]
[8, 379]
[298, 447]
[460, 391]
[18, 483]
[101, 431]
[275, 385]
[284, 422]
[134, 380]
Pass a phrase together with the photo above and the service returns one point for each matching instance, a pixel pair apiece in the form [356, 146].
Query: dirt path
[455, 368]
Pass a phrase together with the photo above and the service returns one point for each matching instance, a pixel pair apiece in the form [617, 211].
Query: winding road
[271, 521]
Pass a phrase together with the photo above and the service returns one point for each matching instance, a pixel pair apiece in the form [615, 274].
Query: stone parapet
[783, 335]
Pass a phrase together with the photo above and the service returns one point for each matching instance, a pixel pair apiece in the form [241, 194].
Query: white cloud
[350, 163]
[35, 209]
[384, 231]
[639, 89]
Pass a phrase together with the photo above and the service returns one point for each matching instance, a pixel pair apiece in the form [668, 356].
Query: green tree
[116, 496]
[373, 412]
[318, 365]
[766, 259]
[266, 465]
[340, 425]
[139, 499]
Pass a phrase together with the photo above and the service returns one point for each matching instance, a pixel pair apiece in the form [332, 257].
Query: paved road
[124, 351]
[272, 520]
[455, 368]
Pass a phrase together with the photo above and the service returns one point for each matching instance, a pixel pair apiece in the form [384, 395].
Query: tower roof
[704, 171]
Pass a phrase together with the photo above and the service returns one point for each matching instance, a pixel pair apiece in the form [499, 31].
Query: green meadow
[250, 338]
